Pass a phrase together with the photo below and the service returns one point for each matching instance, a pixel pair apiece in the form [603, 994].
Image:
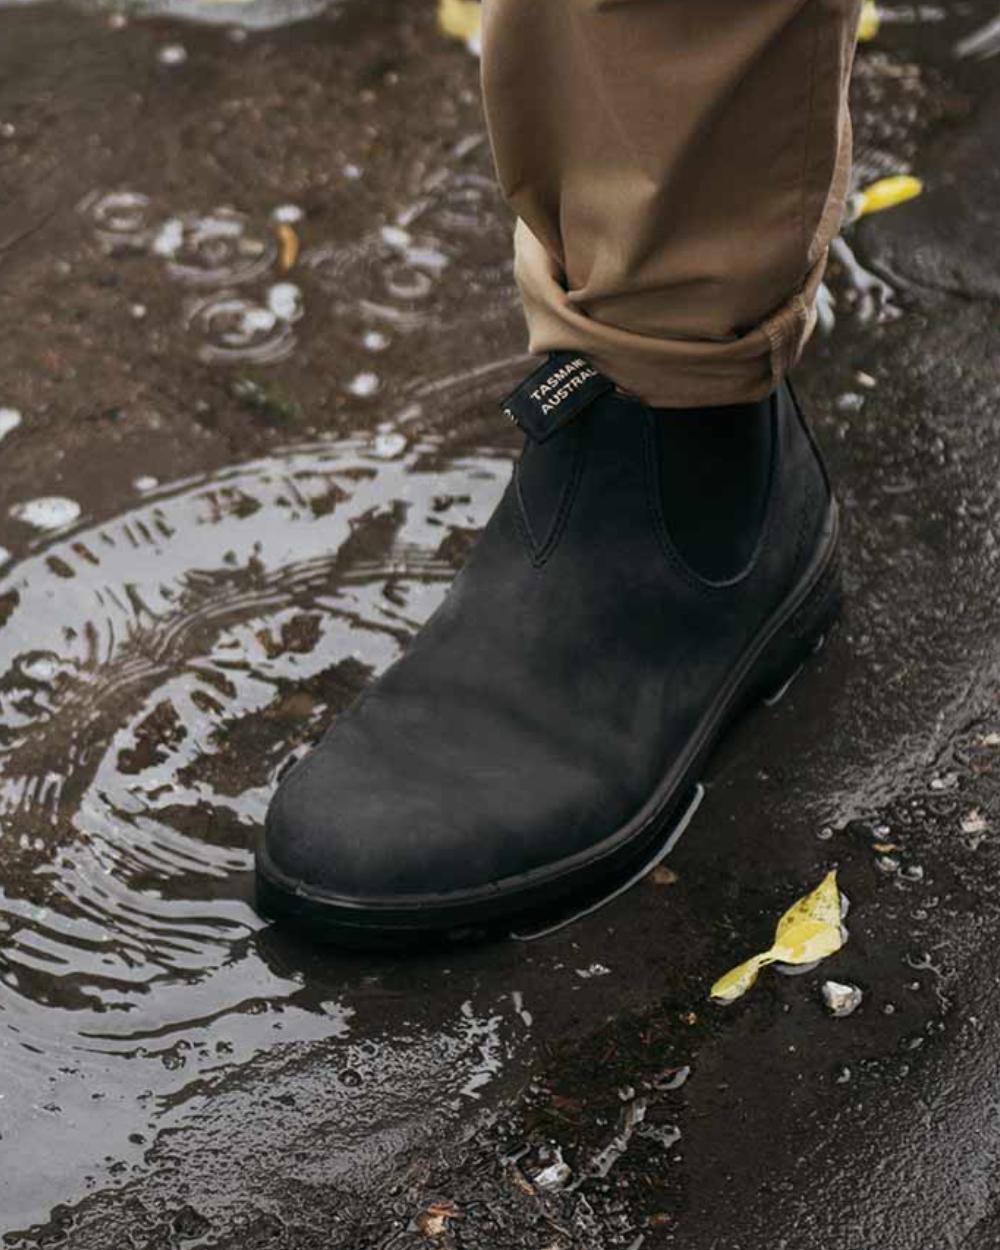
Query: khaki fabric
[678, 168]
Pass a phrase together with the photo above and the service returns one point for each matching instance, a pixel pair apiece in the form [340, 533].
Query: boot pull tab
[554, 394]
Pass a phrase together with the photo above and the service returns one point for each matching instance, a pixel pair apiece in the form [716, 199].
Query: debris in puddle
[662, 875]
[396, 237]
[841, 1000]
[974, 821]
[10, 419]
[874, 298]
[217, 249]
[826, 309]
[288, 246]
[869, 22]
[233, 328]
[882, 194]
[433, 1221]
[146, 483]
[809, 931]
[172, 54]
[665, 1135]
[982, 43]
[363, 385]
[601, 1163]
[49, 513]
[285, 300]
[555, 1176]
[672, 1078]
[42, 668]
[517, 1002]
[287, 214]
[387, 445]
[595, 970]
[462, 20]
[120, 219]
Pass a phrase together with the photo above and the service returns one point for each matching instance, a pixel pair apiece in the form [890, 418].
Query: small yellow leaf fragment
[288, 246]
[809, 931]
[886, 193]
[460, 19]
[869, 22]
[742, 978]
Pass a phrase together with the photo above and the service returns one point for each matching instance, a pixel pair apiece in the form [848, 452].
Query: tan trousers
[679, 168]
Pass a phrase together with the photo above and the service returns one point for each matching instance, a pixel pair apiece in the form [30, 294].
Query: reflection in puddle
[250, 14]
[201, 640]
[447, 250]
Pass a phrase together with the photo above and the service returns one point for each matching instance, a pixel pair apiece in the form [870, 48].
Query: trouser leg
[678, 168]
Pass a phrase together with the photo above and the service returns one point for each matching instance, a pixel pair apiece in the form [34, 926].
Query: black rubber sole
[536, 902]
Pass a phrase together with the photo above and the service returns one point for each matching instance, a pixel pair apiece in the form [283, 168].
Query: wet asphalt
[255, 313]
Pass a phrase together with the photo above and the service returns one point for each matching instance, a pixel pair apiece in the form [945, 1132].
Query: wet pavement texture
[256, 310]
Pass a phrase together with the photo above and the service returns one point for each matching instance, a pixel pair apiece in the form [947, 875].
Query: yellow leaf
[869, 22]
[288, 246]
[885, 193]
[459, 19]
[809, 930]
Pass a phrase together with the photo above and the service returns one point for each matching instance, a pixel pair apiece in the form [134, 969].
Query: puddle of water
[251, 14]
[201, 639]
[250, 281]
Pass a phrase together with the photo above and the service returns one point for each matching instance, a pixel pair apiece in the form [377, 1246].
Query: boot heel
[802, 636]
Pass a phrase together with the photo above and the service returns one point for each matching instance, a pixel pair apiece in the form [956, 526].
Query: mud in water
[257, 310]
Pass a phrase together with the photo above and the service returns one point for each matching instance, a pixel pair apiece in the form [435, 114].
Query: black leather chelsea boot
[546, 727]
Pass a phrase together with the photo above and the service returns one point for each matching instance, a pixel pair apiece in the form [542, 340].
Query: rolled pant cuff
[665, 372]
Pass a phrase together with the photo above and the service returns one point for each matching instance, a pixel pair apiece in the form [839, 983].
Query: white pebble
[172, 54]
[974, 822]
[364, 384]
[146, 483]
[388, 446]
[289, 214]
[595, 970]
[840, 999]
[10, 419]
[285, 300]
[376, 341]
[41, 668]
[49, 513]
[396, 236]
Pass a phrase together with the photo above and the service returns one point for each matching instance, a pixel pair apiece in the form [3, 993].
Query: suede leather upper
[542, 704]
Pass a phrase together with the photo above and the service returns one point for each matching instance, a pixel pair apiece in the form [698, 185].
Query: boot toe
[356, 820]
